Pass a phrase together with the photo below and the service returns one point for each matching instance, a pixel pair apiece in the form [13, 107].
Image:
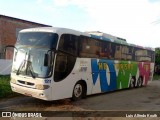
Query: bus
[56, 63]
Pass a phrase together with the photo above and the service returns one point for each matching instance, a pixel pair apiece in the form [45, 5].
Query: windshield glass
[33, 62]
[44, 39]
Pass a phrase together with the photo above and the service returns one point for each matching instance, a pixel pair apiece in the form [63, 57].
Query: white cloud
[130, 19]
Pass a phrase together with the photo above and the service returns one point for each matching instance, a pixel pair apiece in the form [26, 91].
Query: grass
[5, 88]
[156, 77]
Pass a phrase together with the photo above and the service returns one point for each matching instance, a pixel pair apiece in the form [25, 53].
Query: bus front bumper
[40, 94]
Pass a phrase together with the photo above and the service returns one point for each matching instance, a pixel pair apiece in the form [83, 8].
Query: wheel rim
[132, 83]
[139, 82]
[78, 90]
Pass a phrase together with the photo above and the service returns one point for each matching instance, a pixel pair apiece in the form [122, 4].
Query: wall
[5, 66]
[9, 28]
[1, 46]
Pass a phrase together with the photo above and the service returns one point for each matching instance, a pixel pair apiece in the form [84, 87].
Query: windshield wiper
[22, 64]
[29, 66]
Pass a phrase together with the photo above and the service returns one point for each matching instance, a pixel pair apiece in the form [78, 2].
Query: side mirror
[54, 50]
[46, 59]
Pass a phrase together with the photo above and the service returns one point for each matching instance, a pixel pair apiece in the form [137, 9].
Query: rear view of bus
[32, 63]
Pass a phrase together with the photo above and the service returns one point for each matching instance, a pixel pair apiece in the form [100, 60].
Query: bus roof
[93, 34]
[55, 30]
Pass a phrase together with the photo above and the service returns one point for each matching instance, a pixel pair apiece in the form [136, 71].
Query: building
[9, 28]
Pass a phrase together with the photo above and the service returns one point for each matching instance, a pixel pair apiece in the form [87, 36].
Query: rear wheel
[78, 91]
[140, 82]
[132, 82]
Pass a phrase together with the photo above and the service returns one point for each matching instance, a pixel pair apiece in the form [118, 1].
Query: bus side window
[106, 50]
[137, 54]
[113, 48]
[129, 55]
[118, 54]
[142, 54]
[88, 47]
[124, 52]
[132, 52]
[83, 46]
[68, 43]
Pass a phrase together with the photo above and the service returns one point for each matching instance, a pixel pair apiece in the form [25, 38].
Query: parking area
[138, 99]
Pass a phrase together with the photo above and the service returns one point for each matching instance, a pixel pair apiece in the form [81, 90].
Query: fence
[5, 66]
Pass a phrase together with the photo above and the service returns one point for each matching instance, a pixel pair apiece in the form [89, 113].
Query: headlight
[13, 80]
[41, 87]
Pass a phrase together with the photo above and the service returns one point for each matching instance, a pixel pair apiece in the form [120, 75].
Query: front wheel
[78, 91]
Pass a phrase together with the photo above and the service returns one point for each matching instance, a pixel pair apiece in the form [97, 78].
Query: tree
[157, 56]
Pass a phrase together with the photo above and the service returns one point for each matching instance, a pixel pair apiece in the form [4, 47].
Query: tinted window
[127, 52]
[130, 54]
[105, 50]
[113, 48]
[89, 47]
[68, 43]
[142, 55]
[118, 49]
[93, 48]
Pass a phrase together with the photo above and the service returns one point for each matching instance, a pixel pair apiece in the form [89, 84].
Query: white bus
[56, 63]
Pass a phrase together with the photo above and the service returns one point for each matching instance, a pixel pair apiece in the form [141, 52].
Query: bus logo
[6, 114]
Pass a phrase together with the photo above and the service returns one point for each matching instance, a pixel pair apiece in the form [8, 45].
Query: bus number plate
[47, 81]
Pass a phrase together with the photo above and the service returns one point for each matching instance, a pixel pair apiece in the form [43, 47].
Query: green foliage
[5, 88]
[157, 55]
[156, 77]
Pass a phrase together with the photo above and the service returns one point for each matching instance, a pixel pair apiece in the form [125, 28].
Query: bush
[156, 77]
[5, 88]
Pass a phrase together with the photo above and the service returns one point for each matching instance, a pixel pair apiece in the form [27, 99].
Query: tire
[140, 82]
[78, 91]
[132, 82]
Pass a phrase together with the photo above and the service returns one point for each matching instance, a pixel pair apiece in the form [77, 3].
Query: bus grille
[26, 83]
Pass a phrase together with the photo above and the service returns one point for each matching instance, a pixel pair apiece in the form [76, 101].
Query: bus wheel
[78, 91]
[132, 82]
[140, 82]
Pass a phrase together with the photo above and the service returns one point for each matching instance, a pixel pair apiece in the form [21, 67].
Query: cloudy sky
[138, 21]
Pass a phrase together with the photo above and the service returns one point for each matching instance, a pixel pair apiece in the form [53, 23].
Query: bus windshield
[44, 39]
[33, 62]
[34, 54]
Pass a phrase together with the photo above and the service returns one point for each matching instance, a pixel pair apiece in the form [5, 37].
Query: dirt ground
[139, 99]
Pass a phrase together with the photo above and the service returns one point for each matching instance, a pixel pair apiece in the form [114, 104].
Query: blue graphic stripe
[101, 71]
[95, 70]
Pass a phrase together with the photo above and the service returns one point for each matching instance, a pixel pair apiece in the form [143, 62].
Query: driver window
[64, 65]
